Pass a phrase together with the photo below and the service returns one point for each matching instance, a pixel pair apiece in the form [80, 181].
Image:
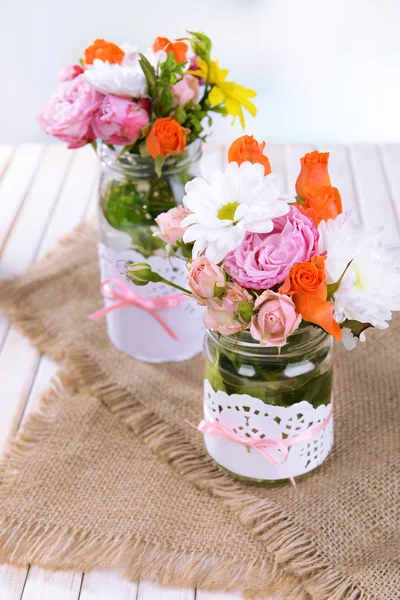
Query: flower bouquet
[147, 115]
[279, 278]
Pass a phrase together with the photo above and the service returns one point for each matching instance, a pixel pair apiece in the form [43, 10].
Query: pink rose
[264, 259]
[170, 224]
[119, 120]
[203, 277]
[69, 72]
[186, 90]
[219, 319]
[275, 320]
[235, 294]
[68, 115]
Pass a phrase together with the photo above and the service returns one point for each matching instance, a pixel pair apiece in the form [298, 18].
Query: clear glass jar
[262, 393]
[131, 196]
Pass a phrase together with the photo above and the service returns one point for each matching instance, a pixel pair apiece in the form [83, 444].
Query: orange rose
[247, 148]
[166, 137]
[179, 49]
[105, 51]
[307, 285]
[321, 203]
[314, 171]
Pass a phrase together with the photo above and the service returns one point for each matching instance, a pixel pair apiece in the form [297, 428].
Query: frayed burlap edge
[293, 550]
[58, 547]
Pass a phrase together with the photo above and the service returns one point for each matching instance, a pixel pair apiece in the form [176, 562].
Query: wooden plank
[51, 585]
[150, 591]
[372, 191]
[275, 153]
[390, 159]
[219, 596]
[12, 582]
[21, 247]
[106, 585]
[6, 152]
[341, 176]
[15, 183]
[74, 197]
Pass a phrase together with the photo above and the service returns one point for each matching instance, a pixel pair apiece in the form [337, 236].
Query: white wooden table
[45, 191]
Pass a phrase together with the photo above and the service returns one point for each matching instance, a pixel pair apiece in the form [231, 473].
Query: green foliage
[299, 200]
[246, 311]
[356, 327]
[333, 287]
[201, 45]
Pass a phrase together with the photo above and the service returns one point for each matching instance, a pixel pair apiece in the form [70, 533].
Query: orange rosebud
[321, 203]
[247, 148]
[166, 137]
[179, 49]
[105, 51]
[314, 171]
[307, 285]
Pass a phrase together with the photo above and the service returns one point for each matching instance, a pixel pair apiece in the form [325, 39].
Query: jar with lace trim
[155, 328]
[268, 411]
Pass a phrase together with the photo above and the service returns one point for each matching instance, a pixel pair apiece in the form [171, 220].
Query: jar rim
[139, 166]
[303, 338]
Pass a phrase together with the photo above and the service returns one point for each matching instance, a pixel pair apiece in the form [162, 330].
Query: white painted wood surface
[45, 191]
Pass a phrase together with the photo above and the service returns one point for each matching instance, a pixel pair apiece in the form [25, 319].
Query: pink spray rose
[170, 224]
[203, 277]
[68, 115]
[234, 294]
[119, 120]
[218, 318]
[186, 90]
[69, 72]
[276, 319]
[264, 259]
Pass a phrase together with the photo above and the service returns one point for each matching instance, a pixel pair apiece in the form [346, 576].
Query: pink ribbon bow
[123, 295]
[265, 445]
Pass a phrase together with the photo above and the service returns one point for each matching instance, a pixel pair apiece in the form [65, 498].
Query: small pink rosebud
[170, 224]
[204, 276]
[186, 90]
[276, 319]
[219, 319]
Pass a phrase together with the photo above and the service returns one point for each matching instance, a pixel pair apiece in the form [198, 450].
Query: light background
[325, 70]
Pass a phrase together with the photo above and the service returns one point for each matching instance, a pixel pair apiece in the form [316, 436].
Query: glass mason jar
[131, 196]
[268, 397]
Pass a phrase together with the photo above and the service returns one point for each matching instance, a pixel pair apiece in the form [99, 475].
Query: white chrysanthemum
[349, 340]
[235, 201]
[126, 79]
[370, 289]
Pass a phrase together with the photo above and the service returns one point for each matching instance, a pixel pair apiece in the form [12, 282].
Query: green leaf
[299, 200]
[94, 145]
[246, 311]
[144, 153]
[149, 72]
[180, 115]
[333, 287]
[158, 164]
[356, 327]
[219, 291]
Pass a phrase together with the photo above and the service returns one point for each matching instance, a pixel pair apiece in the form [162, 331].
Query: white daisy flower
[235, 201]
[125, 79]
[370, 289]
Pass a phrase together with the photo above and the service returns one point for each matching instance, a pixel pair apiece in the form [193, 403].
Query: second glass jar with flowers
[146, 114]
[279, 278]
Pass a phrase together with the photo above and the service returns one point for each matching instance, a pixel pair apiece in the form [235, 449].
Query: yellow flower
[234, 96]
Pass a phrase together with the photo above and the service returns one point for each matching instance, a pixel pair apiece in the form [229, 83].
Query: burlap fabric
[337, 533]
